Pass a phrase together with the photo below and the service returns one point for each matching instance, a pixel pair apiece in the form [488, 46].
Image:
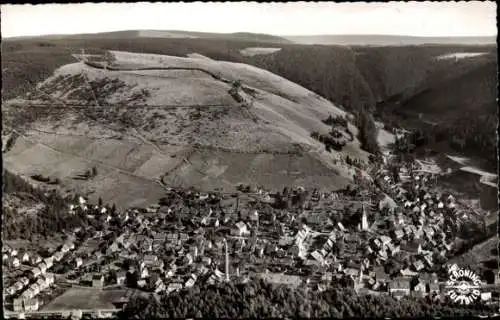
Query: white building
[240, 230]
[26, 257]
[16, 263]
[78, 262]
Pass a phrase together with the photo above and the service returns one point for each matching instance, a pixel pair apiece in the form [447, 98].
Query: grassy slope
[236, 148]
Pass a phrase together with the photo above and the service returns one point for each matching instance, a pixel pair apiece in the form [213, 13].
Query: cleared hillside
[149, 118]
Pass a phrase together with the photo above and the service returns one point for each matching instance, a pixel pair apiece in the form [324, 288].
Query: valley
[164, 173]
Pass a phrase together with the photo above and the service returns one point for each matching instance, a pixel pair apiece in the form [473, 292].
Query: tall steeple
[360, 280]
[227, 260]
[364, 220]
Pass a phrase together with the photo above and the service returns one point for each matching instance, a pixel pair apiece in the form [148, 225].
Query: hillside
[338, 73]
[377, 78]
[392, 72]
[183, 121]
[387, 40]
[30, 211]
[454, 106]
[473, 91]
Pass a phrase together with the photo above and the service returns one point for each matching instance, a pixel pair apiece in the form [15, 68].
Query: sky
[473, 18]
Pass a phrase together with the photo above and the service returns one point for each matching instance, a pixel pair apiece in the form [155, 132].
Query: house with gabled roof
[190, 282]
[24, 280]
[35, 288]
[10, 291]
[41, 284]
[385, 240]
[121, 277]
[174, 286]
[78, 262]
[25, 257]
[35, 272]
[58, 256]
[240, 229]
[43, 267]
[18, 285]
[418, 265]
[16, 263]
[28, 294]
[399, 234]
[98, 280]
[144, 273]
[49, 279]
[18, 305]
[399, 287]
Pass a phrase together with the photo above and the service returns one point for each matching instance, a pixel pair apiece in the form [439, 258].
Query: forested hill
[474, 90]
[28, 211]
[164, 34]
[455, 103]
[387, 40]
[330, 71]
[257, 300]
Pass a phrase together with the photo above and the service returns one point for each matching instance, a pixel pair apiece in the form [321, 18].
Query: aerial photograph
[245, 160]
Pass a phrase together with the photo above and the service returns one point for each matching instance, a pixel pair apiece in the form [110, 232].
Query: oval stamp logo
[463, 285]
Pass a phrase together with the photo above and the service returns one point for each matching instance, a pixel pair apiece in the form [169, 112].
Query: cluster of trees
[368, 132]
[257, 299]
[290, 199]
[87, 174]
[52, 218]
[473, 135]
[336, 121]
[48, 180]
[330, 141]
[234, 91]
[11, 139]
[244, 188]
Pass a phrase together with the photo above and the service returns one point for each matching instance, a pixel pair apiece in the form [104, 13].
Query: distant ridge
[130, 34]
[387, 40]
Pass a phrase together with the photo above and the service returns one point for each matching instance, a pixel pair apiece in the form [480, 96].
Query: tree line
[257, 299]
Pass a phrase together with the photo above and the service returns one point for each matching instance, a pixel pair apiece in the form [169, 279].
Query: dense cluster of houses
[398, 243]
[37, 279]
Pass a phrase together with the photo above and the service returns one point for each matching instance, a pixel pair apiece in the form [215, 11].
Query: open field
[257, 50]
[87, 298]
[210, 169]
[460, 55]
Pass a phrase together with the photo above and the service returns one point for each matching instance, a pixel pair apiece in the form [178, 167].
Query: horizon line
[257, 33]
